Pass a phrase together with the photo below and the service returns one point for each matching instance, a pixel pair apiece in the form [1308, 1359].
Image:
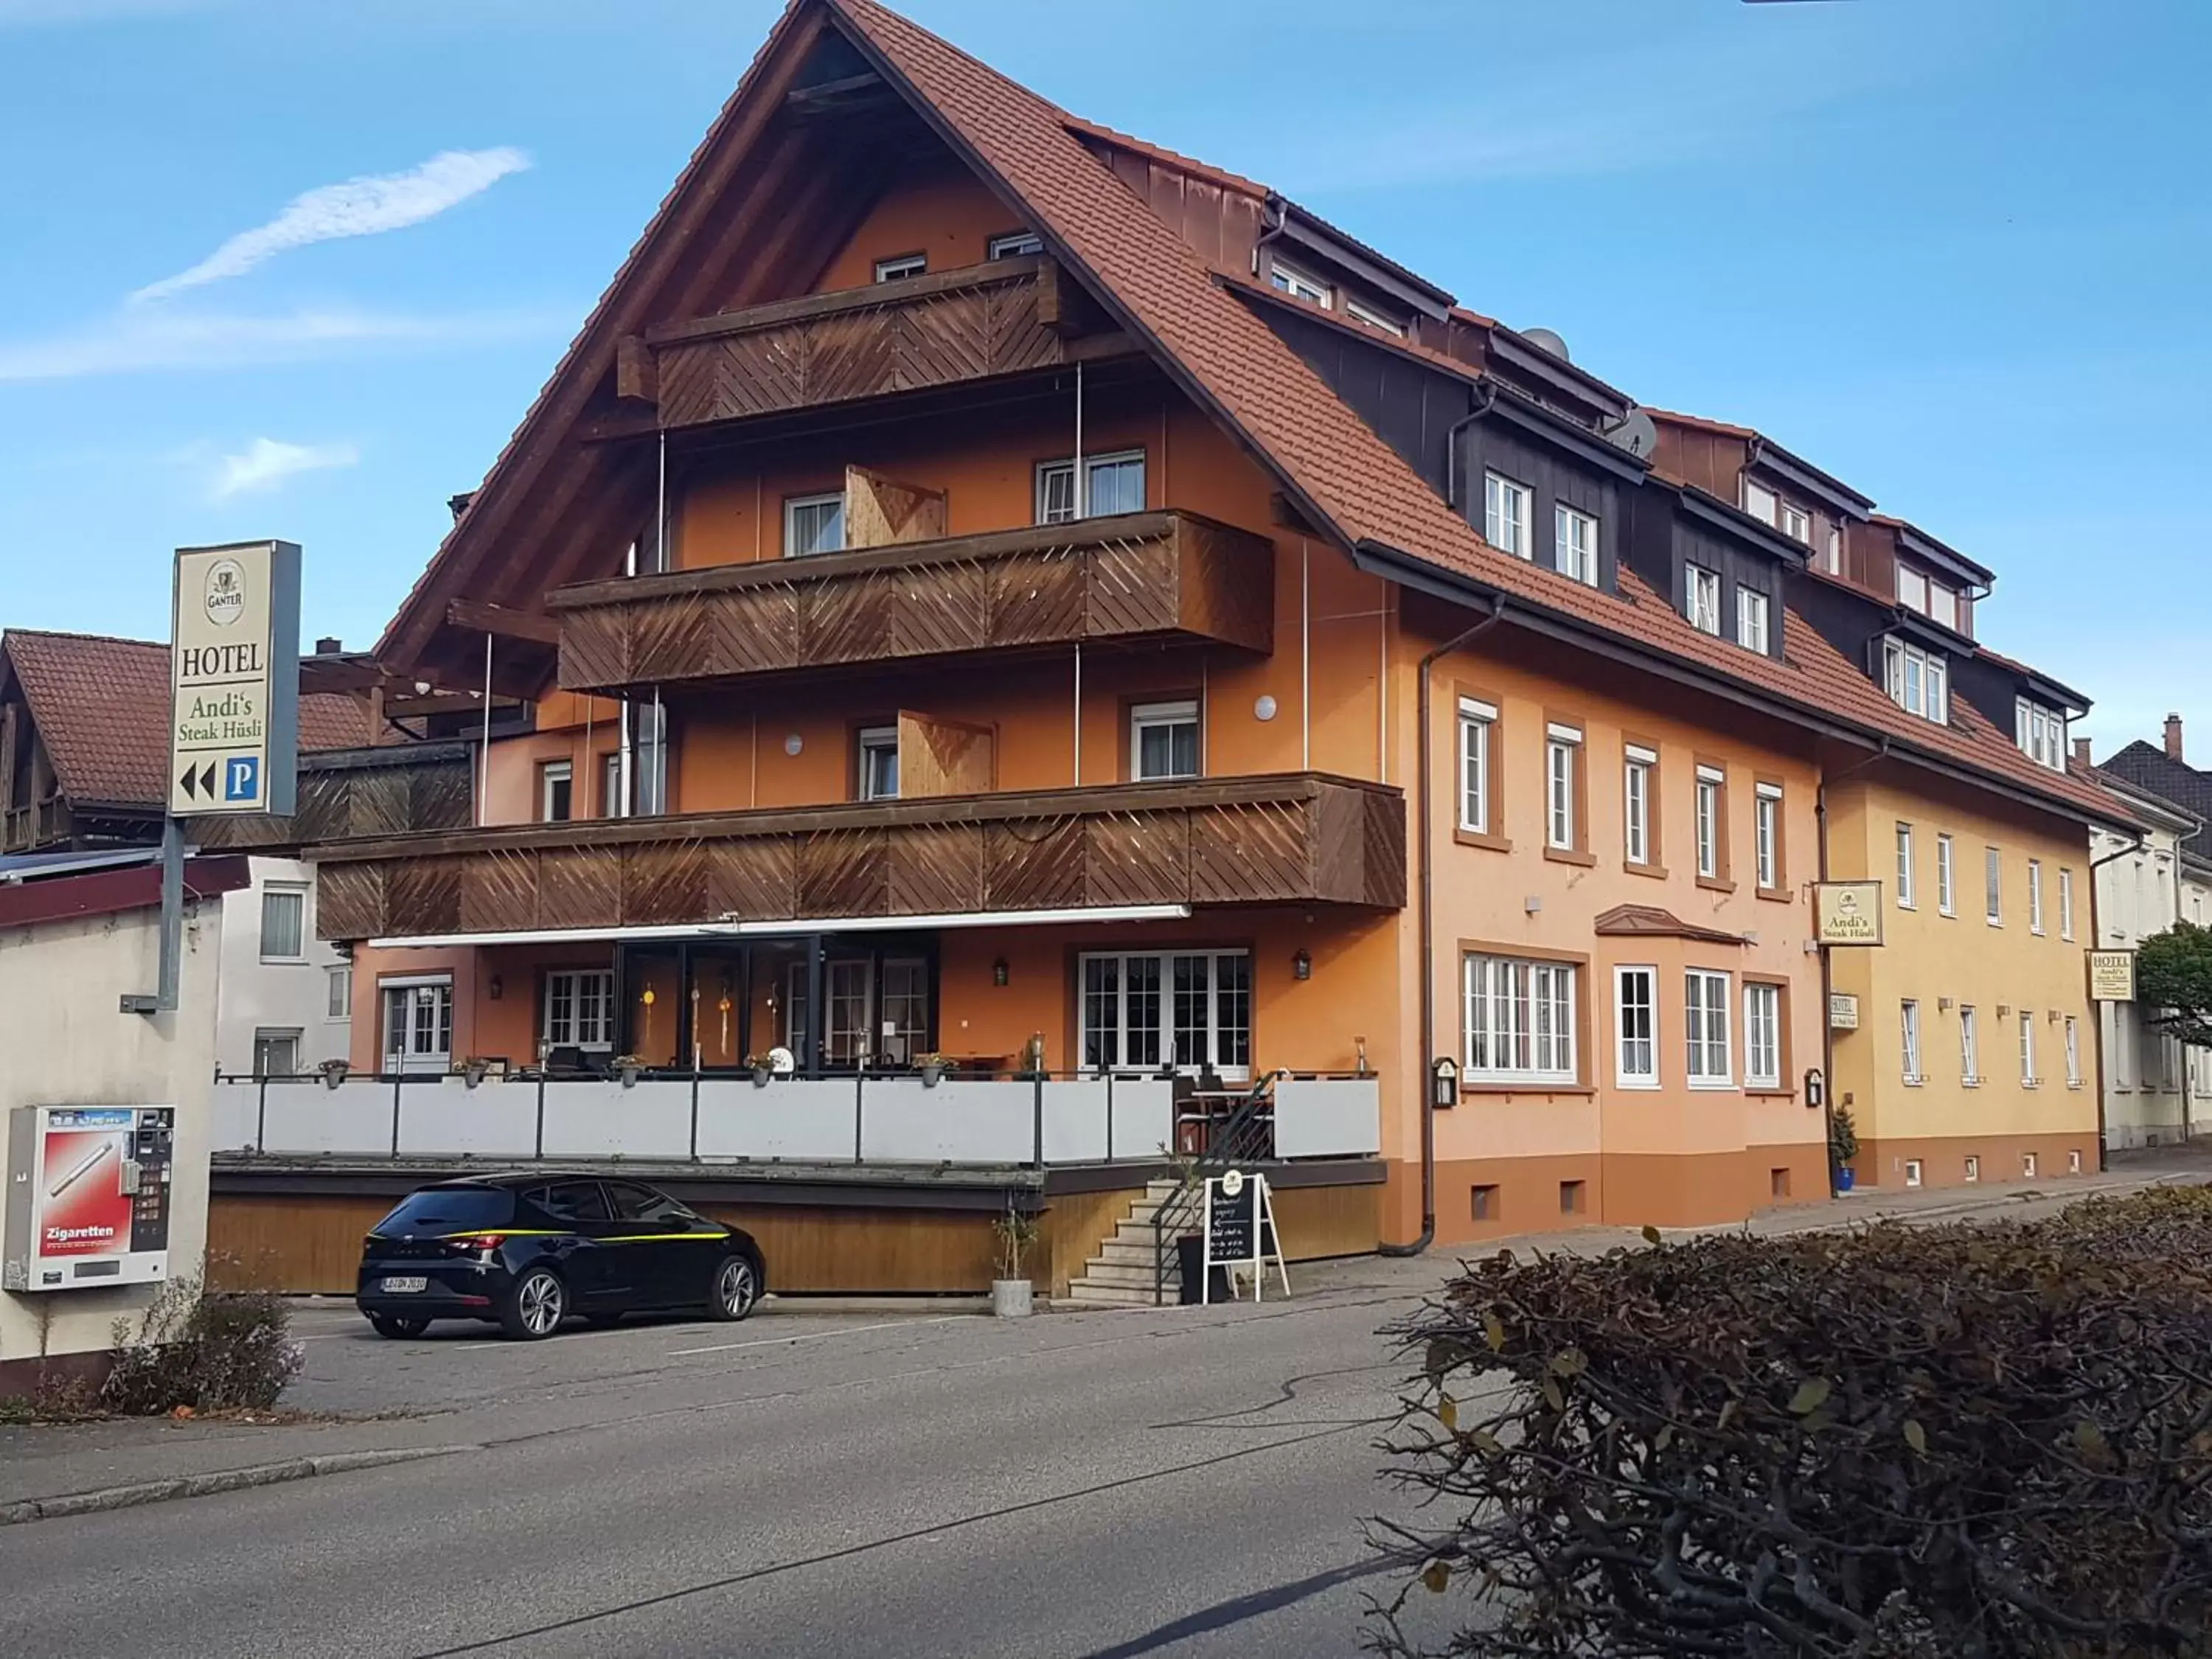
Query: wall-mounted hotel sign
[1843, 1011]
[2112, 976]
[1847, 912]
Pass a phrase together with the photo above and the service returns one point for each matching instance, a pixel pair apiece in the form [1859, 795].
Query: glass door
[418, 1027]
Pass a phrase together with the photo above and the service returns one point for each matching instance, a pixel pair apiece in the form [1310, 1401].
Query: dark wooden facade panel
[1211, 841]
[354, 794]
[1139, 575]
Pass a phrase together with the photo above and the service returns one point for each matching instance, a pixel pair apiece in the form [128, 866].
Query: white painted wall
[66, 1044]
[258, 994]
[2140, 893]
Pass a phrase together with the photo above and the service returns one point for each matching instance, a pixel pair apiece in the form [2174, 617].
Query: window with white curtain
[2065, 903]
[2027, 1075]
[2035, 896]
[1762, 1036]
[1705, 1027]
[1751, 611]
[1636, 1014]
[1945, 898]
[284, 924]
[1906, 893]
[1142, 1010]
[1476, 721]
[1575, 543]
[2073, 1053]
[1993, 887]
[1520, 1021]
[1113, 483]
[1638, 767]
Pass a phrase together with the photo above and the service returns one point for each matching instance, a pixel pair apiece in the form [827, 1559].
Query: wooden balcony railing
[1131, 576]
[361, 792]
[1302, 838]
[1009, 317]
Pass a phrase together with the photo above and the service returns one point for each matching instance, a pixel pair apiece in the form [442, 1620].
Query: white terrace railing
[719, 1119]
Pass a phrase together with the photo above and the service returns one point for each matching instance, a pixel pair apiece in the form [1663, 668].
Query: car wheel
[737, 1288]
[398, 1329]
[534, 1308]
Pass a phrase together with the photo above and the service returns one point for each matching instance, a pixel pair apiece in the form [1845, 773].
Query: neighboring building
[83, 748]
[1967, 1048]
[2157, 1091]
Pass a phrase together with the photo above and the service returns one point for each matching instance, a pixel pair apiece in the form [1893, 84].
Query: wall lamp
[1302, 963]
[999, 971]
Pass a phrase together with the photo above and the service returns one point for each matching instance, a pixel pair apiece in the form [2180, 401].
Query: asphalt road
[1178, 1483]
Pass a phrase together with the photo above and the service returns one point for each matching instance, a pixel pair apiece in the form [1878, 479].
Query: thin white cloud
[267, 463]
[367, 206]
[137, 341]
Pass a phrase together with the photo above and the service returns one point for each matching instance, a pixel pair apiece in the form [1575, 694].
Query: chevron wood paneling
[1134, 576]
[1304, 838]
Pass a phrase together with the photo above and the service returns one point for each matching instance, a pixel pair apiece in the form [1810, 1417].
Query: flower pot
[1010, 1298]
[931, 1076]
[1846, 1178]
[761, 1075]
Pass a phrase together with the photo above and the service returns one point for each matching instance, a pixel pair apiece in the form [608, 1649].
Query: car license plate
[403, 1286]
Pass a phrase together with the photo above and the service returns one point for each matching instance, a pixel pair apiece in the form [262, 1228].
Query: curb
[216, 1481]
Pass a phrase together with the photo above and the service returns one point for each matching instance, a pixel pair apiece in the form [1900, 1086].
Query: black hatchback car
[525, 1251]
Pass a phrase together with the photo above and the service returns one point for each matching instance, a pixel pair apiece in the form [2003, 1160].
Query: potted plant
[933, 1067]
[1842, 1147]
[626, 1067]
[1011, 1291]
[761, 1068]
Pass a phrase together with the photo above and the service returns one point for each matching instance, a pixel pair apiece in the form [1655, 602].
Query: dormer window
[1575, 543]
[1374, 319]
[1942, 604]
[1701, 597]
[1918, 680]
[1751, 625]
[1797, 525]
[1290, 280]
[2041, 732]
[1505, 514]
[1911, 589]
[1758, 501]
[1918, 591]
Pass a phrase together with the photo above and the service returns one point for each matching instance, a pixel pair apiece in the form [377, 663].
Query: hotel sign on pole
[2112, 976]
[234, 679]
[1847, 912]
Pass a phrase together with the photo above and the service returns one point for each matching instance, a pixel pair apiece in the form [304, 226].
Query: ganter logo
[226, 592]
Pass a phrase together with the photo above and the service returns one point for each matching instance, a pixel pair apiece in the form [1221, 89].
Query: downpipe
[1423, 839]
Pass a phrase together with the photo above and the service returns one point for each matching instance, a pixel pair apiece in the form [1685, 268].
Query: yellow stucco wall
[2003, 971]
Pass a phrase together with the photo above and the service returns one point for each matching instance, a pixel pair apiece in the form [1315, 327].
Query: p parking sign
[234, 679]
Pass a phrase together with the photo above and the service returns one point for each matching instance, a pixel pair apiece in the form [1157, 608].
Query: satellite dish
[781, 1060]
[1638, 435]
[1548, 341]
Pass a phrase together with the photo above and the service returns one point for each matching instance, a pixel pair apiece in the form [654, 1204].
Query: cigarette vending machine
[87, 1202]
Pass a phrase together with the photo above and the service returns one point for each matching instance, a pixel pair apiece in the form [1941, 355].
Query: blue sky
[1955, 253]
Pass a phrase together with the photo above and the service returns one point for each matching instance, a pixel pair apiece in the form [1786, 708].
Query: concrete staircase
[1121, 1275]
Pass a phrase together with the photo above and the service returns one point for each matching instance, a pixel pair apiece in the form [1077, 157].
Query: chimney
[2173, 736]
[328, 645]
[2081, 752]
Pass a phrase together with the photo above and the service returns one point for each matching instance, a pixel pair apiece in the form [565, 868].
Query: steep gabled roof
[2149, 768]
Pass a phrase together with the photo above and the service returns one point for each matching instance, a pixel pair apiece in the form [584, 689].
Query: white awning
[706, 931]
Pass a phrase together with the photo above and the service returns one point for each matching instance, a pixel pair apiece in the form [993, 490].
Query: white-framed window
[901, 264]
[1835, 556]
[2041, 732]
[1912, 589]
[1767, 834]
[1708, 822]
[1796, 523]
[1188, 1009]
[1751, 615]
[1701, 597]
[1758, 501]
[1635, 1027]
[1908, 1031]
[1360, 312]
[1946, 884]
[578, 1011]
[1993, 887]
[1505, 514]
[1012, 245]
[1762, 1036]
[337, 993]
[1475, 721]
[1705, 1027]
[1163, 740]
[1918, 681]
[813, 524]
[1913, 1172]
[1970, 1045]
[1942, 604]
[1574, 544]
[2027, 1076]
[610, 789]
[1113, 483]
[2035, 896]
[275, 1053]
[1520, 1021]
[1300, 285]
[284, 924]
[1973, 1169]
[556, 792]
[877, 756]
[1562, 754]
[418, 1023]
[2065, 903]
[2028, 1165]
[1907, 893]
[1638, 767]
[2073, 1053]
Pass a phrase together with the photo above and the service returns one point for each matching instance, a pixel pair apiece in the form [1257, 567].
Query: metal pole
[261, 1118]
[398, 1080]
[1037, 1159]
[483, 760]
[172, 943]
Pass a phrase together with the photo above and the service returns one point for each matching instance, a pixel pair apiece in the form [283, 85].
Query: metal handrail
[1240, 1137]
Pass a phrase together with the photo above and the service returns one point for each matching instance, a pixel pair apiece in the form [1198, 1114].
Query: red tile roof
[101, 707]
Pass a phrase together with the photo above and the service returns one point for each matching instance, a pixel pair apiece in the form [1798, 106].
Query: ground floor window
[418, 1024]
[275, 1054]
[1520, 1021]
[1762, 1036]
[1705, 1024]
[1188, 1009]
[580, 1010]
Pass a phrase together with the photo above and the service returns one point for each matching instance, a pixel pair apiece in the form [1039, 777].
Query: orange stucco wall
[944, 212]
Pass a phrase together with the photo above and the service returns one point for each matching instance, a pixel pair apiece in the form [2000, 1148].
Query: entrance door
[418, 1026]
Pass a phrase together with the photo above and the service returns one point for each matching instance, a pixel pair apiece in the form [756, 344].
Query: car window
[437, 1210]
[636, 1203]
[572, 1201]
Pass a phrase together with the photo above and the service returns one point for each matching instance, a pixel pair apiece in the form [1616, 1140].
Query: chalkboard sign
[1240, 1228]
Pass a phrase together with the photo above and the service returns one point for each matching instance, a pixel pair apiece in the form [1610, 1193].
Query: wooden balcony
[1133, 576]
[361, 792]
[1009, 317]
[1303, 838]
